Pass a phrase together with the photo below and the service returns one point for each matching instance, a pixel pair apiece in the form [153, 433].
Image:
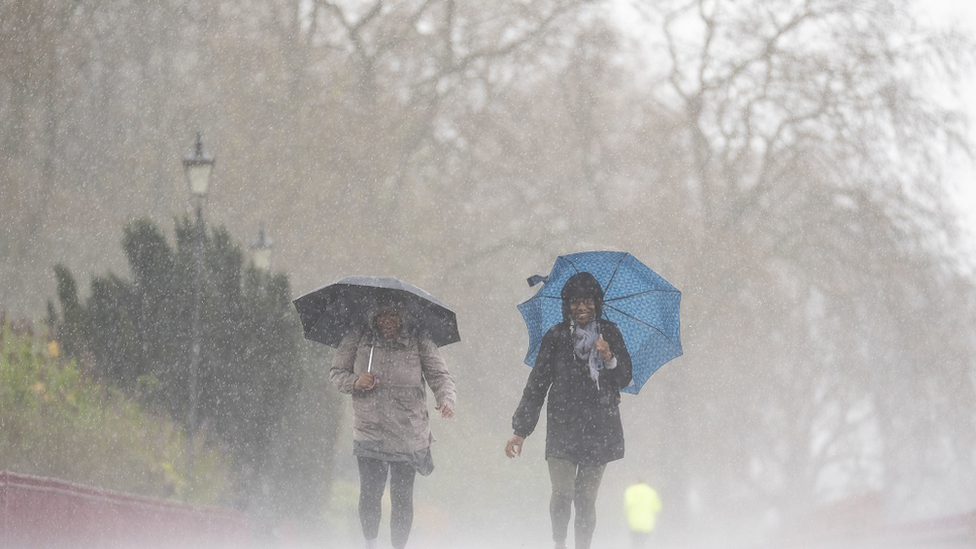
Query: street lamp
[197, 166]
[261, 250]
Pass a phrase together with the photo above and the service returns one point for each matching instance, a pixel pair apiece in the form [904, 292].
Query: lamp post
[197, 165]
[261, 250]
[261, 488]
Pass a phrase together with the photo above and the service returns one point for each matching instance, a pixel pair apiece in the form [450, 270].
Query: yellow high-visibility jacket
[642, 506]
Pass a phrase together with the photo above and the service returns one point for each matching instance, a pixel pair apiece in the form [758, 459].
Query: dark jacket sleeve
[623, 373]
[534, 395]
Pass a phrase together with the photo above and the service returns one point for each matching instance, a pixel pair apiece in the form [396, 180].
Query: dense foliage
[56, 420]
[137, 336]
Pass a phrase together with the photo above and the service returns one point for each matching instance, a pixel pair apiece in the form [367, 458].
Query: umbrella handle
[369, 367]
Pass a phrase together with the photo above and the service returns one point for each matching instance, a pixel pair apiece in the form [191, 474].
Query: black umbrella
[329, 312]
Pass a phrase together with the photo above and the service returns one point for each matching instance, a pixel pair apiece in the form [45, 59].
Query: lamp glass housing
[262, 258]
[198, 175]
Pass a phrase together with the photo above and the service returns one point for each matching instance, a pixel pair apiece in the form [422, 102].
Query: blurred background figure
[641, 504]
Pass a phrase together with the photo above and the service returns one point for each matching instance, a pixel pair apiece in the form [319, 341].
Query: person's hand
[513, 448]
[604, 349]
[365, 382]
[446, 410]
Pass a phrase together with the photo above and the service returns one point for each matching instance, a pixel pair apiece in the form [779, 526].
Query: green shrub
[56, 421]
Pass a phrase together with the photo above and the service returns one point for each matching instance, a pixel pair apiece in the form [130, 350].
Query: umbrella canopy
[329, 312]
[641, 303]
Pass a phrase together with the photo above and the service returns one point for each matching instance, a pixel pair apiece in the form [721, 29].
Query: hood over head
[582, 285]
[385, 304]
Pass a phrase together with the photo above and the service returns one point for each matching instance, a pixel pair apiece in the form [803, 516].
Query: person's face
[582, 309]
[388, 323]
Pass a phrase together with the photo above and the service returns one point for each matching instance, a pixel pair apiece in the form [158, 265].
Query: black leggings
[372, 483]
[573, 485]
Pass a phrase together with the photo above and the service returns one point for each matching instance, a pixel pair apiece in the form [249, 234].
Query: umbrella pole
[369, 366]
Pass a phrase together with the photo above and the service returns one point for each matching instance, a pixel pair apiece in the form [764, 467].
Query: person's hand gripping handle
[603, 348]
[366, 381]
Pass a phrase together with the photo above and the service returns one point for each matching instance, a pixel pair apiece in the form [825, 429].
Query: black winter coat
[582, 422]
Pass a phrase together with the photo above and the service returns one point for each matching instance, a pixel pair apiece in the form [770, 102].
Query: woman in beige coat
[385, 366]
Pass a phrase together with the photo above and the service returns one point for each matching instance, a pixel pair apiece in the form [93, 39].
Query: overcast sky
[962, 13]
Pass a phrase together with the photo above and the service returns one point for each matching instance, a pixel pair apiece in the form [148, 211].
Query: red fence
[44, 513]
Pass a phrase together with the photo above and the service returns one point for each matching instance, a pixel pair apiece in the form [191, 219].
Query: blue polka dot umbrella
[639, 301]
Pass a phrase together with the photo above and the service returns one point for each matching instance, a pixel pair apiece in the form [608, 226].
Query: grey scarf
[585, 345]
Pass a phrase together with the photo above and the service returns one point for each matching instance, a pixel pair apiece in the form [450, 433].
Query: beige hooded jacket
[394, 413]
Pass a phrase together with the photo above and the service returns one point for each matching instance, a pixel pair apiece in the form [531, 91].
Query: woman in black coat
[582, 365]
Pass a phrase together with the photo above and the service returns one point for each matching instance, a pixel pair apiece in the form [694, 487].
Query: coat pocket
[366, 412]
[409, 407]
